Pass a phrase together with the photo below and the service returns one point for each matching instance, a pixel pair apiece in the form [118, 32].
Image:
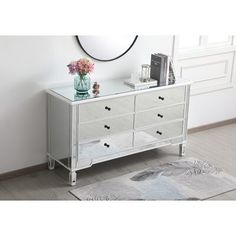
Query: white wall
[27, 66]
[212, 107]
[213, 70]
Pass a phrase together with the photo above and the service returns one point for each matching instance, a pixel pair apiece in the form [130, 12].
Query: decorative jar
[145, 73]
[82, 83]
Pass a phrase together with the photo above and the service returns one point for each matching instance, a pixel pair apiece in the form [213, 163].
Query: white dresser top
[107, 88]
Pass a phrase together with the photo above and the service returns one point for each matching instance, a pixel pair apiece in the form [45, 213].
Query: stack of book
[136, 83]
[162, 69]
[161, 73]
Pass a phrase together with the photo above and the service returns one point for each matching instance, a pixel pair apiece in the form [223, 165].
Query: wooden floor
[218, 146]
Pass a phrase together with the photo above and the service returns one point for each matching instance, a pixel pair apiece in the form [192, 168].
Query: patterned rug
[185, 179]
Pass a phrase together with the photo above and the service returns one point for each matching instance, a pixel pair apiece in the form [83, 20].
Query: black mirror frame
[135, 39]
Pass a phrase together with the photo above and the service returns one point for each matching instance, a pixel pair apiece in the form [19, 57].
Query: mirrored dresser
[86, 129]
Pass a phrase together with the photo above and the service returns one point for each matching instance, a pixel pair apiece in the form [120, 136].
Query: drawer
[157, 116]
[160, 98]
[105, 127]
[106, 108]
[158, 133]
[106, 146]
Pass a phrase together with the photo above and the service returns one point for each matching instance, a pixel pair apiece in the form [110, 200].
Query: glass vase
[82, 83]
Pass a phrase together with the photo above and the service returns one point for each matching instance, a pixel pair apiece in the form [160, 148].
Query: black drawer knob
[107, 108]
[106, 145]
[158, 132]
[107, 127]
[159, 115]
[161, 98]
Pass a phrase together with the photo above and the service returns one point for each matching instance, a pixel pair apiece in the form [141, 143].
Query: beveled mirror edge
[115, 58]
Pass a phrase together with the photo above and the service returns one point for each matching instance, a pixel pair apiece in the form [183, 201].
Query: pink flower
[82, 66]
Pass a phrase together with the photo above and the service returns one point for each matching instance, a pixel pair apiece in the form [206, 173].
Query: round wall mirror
[106, 48]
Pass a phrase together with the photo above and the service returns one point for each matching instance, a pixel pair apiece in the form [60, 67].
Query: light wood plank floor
[218, 146]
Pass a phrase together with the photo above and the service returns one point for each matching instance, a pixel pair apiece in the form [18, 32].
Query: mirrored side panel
[59, 130]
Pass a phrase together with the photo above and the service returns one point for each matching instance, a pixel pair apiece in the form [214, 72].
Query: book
[171, 75]
[165, 69]
[156, 64]
[136, 83]
[160, 68]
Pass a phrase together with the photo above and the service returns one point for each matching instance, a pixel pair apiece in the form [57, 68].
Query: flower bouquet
[82, 68]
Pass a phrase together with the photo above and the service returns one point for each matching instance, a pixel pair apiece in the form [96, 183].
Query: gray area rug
[185, 179]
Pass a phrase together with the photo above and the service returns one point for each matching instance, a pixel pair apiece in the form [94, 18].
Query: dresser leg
[182, 149]
[51, 163]
[72, 178]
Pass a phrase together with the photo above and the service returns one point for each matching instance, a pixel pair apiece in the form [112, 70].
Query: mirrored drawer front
[107, 108]
[156, 116]
[160, 98]
[105, 127]
[106, 146]
[158, 133]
